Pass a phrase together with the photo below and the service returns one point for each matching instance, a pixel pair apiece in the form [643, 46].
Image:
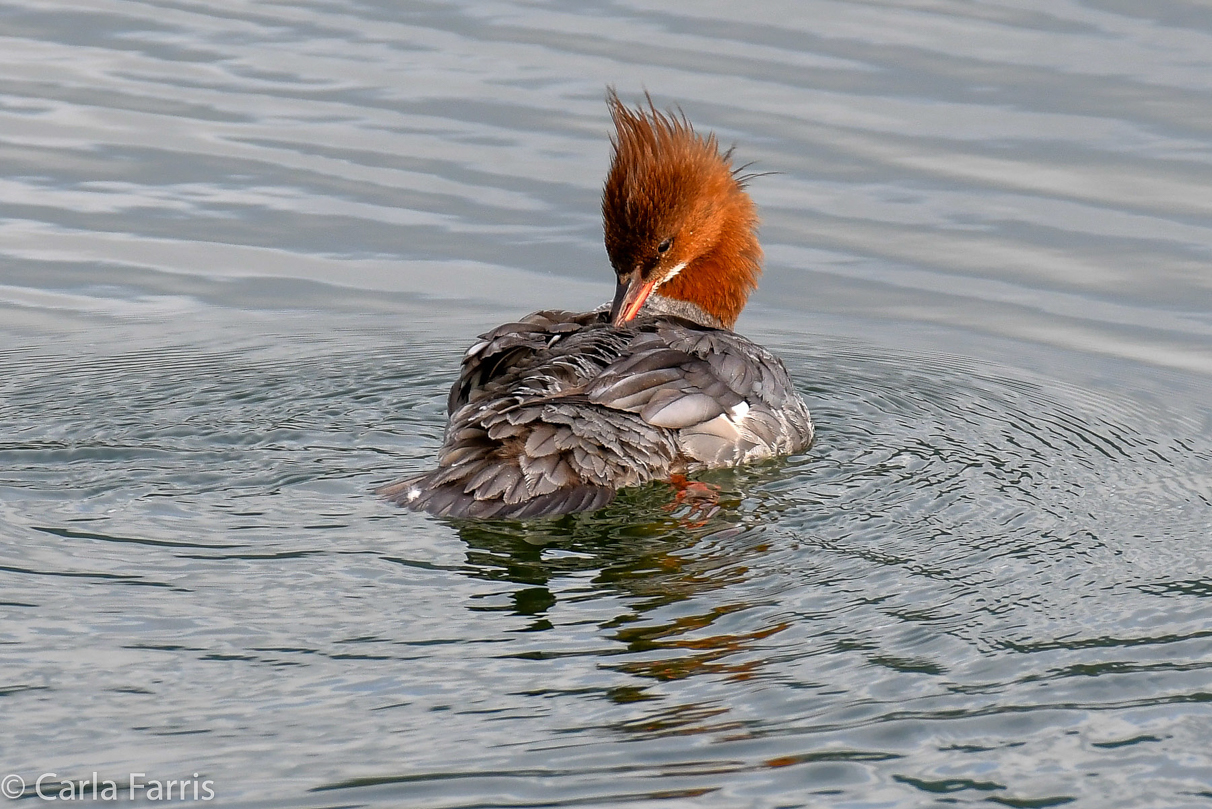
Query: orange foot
[702, 498]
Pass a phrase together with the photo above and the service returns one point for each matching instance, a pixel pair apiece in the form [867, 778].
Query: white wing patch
[730, 438]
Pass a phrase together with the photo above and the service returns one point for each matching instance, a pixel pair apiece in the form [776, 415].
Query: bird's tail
[427, 493]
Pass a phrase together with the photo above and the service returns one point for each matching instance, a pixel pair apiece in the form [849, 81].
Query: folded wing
[554, 413]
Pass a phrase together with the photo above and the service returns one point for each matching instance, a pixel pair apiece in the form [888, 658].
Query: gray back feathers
[554, 413]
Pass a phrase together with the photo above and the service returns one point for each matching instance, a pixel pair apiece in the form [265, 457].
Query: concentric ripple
[243, 244]
[963, 576]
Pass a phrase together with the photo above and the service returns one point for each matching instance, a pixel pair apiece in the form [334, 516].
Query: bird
[555, 413]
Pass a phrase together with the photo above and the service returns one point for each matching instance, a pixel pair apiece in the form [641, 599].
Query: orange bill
[629, 298]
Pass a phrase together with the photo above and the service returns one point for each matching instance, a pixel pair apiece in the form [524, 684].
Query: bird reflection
[654, 549]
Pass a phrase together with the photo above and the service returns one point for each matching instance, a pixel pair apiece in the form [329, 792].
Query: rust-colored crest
[674, 210]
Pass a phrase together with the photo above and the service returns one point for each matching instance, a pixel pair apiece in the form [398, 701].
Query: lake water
[243, 245]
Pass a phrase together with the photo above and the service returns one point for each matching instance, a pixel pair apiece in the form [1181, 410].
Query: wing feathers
[554, 413]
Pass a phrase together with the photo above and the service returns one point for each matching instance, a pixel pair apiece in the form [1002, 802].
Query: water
[242, 247]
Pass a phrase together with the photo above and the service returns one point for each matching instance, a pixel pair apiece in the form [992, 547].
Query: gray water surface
[243, 246]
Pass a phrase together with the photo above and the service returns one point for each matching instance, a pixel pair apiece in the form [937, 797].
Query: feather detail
[545, 427]
[555, 412]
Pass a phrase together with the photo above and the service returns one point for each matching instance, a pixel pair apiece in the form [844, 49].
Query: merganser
[555, 413]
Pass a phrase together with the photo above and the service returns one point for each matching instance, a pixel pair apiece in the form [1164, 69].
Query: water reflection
[241, 250]
[650, 551]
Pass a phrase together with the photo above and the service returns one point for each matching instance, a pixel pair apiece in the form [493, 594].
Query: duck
[557, 412]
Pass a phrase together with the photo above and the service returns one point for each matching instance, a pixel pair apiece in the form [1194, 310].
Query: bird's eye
[664, 246]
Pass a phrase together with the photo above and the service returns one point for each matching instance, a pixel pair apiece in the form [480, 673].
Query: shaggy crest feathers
[554, 413]
[669, 186]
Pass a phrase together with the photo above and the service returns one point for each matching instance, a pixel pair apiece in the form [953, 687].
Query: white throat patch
[671, 275]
